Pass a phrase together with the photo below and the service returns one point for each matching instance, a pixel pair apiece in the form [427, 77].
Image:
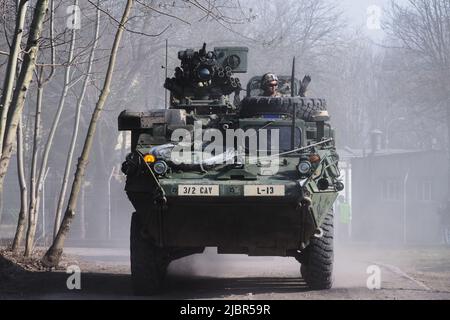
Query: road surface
[411, 273]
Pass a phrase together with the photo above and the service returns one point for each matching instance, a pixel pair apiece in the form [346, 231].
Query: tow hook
[161, 205]
[160, 200]
[318, 233]
[305, 203]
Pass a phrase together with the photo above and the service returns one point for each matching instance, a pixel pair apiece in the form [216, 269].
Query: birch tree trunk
[37, 186]
[41, 83]
[32, 211]
[53, 255]
[22, 85]
[62, 194]
[23, 192]
[11, 68]
[10, 76]
[82, 212]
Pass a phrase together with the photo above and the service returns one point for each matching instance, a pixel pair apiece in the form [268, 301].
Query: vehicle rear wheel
[317, 266]
[148, 262]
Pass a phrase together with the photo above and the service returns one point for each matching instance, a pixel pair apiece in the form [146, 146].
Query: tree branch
[125, 28]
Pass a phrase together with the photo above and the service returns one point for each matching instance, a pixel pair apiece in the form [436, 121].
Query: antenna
[294, 106]
[165, 93]
[293, 78]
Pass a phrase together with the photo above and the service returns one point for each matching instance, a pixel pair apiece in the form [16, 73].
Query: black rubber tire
[317, 266]
[257, 106]
[148, 262]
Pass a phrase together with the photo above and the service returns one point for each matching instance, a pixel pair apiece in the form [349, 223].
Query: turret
[206, 75]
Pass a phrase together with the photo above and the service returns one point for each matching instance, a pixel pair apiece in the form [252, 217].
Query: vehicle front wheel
[148, 262]
[317, 263]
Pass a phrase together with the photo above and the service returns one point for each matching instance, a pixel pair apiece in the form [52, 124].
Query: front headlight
[304, 167]
[160, 167]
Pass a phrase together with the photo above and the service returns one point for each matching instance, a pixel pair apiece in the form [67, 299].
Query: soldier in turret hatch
[269, 85]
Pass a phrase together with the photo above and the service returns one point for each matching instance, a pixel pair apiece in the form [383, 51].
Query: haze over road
[105, 275]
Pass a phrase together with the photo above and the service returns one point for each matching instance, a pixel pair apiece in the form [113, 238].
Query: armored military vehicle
[196, 179]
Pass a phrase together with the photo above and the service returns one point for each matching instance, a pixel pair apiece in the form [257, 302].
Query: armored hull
[270, 195]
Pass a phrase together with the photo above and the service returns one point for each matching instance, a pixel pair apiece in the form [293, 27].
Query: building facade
[397, 196]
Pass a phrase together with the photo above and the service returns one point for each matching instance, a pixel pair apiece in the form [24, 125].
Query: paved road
[404, 274]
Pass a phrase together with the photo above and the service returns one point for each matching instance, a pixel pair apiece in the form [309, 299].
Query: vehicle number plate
[263, 190]
[198, 190]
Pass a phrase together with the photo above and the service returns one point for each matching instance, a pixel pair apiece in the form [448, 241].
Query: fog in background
[388, 104]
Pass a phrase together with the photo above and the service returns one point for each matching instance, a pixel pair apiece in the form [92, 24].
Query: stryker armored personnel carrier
[256, 176]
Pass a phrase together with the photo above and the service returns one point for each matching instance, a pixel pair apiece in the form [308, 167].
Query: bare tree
[34, 197]
[23, 192]
[10, 76]
[22, 85]
[422, 28]
[279, 29]
[76, 126]
[42, 81]
[11, 68]
[53, 254]
[356, 84]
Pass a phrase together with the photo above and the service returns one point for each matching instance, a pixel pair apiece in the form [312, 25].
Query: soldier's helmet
[267, 80]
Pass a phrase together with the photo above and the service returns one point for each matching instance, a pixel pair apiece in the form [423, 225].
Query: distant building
[396, 195]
